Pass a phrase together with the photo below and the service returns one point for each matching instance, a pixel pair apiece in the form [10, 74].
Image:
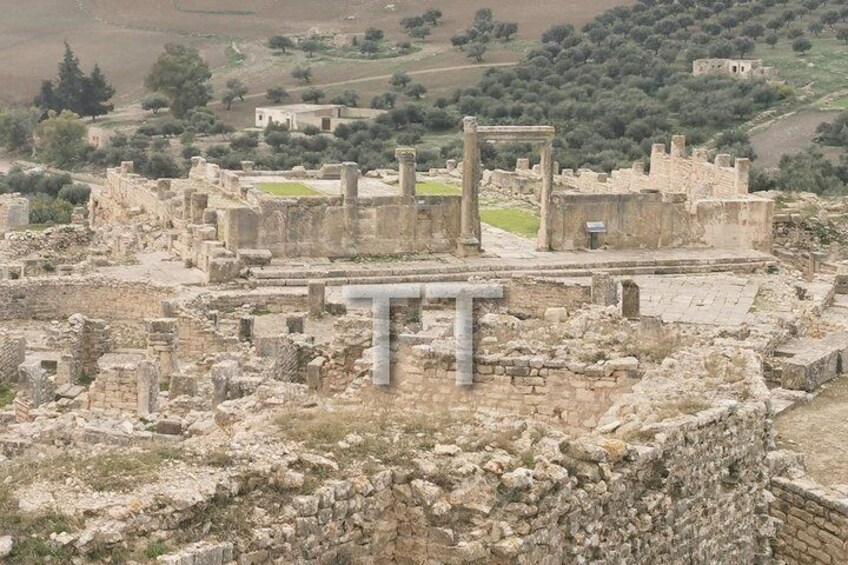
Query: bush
[76, 194]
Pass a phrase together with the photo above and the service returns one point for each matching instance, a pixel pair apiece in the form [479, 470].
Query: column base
[469, 247]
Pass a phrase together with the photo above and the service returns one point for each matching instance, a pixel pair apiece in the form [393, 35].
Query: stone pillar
[604, 290]
[630, 299]
[350, 183]
[41, 388]
[469, 243]
[127, 168]
[162, 339]
[543, 238]
[222, 373]
[678, 146]
[740, 181]
[148, 388]
[199, 203]
[406, 169]
[522, 164]
[247, 166]
[316, 299]
[245, 328]
[294, 324]
[314, 369]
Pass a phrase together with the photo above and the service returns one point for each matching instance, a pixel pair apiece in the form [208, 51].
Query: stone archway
[470, 243]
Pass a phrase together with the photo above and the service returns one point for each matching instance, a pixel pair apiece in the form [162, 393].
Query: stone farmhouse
[323, 116]
[741, 68]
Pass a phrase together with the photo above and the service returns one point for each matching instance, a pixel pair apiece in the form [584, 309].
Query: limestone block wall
[199, 337]
[812, 523]
[553, 388]
[12, 354]
[695, 176]
[14, 212]
[128, 386]
[655, 221]
[327, 227]
[535, 295]
[94, 297]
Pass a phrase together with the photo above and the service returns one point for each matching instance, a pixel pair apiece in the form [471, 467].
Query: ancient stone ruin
[360, 372]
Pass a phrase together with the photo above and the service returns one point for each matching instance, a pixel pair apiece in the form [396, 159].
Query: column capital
[469, 124]
[406, 154]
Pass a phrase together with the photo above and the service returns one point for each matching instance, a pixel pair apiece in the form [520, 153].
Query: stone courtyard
[186, 380]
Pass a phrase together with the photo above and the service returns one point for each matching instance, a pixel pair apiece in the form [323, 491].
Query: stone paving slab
[710, 300]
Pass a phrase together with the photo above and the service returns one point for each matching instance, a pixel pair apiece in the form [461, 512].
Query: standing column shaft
[470, 219]
[543, 242]
[350, 182]
[406, 169]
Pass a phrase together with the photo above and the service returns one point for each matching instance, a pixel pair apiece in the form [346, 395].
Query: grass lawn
[287, 189]
[436, 188]
[520, 222]
[827, 72]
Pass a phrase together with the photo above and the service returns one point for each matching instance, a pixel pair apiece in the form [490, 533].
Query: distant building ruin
[742, 68]
[323, 116]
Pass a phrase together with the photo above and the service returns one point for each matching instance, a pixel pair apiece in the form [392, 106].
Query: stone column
[469, 243]
[247, 166]
[604, 290]
[199, 203]
[245, 328]
[742, 168]
[162, 339]
[316, 299]
[630, 300]
[350, 183]
[543, 238]
[406, 169]
[127, 168]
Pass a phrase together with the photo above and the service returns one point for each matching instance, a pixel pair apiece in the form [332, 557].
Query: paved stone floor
[714, 299]
[157, 267]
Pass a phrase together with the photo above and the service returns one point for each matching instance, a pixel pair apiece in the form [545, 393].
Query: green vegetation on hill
[52, 197]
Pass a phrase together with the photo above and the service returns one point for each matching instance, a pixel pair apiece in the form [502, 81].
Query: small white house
[323, 116]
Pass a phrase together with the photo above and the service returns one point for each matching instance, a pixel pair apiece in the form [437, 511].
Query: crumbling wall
[12, 354]
[94, 297]
[693, 494]
[533, 296]
[57, 240]
[126, 384]
[14, 212]
[552, 388]
[812, 523]
[326, 227]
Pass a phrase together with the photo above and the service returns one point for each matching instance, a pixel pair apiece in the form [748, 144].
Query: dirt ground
[787, 135]
[819, 429]
[125, 36]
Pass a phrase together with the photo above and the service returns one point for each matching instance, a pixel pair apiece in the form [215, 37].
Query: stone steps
[807, 363]
[280, 276]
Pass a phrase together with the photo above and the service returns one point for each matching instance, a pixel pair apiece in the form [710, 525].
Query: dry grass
[684, 407]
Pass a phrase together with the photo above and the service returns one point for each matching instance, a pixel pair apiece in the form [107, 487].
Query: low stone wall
[59, 240]
[329, 227]
[94, 297]
[812, 523]
[533, 296]
[125, 383]
[12, 354]
[570, 392]
[655, 221]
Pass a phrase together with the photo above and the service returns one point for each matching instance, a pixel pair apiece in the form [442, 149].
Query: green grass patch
[823, 67]
[7, 395]
[434, 188]
[287, 189]
[838, 104]
[520, 222]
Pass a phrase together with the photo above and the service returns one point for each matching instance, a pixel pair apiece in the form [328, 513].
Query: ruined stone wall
[812, 523]
[694, 494]
[561, 390]
[656, 221]
[695, 176]
[128, 386]
[12, 354]
[199, 337]
[125, 191]
[534, 296]
[326, 227]
[59, 240]
[94, 297]
[14, 212]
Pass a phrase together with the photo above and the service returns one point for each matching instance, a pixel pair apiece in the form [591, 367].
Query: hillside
[124, 36]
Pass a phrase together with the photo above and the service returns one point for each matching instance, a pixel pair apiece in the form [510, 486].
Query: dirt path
[819, 429]
[787, 134]
[386, 77]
